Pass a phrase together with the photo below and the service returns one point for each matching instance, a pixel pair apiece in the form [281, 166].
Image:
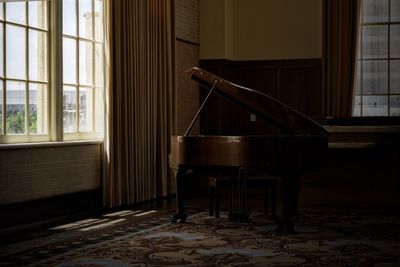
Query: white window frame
[17, 138]
[359, 92]
[55, 86]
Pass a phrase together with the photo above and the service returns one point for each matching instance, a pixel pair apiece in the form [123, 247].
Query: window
[82, 65]
[29, 54]
[378, 65]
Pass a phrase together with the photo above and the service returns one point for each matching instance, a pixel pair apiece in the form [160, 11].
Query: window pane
[85, 19]
[358, 78]
[99, 65]
[16, 52]
[395, 76]
[1, 50]
[357, 106]
[15, 107]
[395, 10]
[38, 108]
[395, 41]
[69, 60]
[85, 63]
[99, 115]
[98, 20]
[395, 105]
[16, 12]
[375, 41]
[69, 17]
[375, 105]
[69, 109]
[375, 77]
[1, 11]
[37, 55]
[1, 105]
[86, 98]
[375, 11]
[38, 14]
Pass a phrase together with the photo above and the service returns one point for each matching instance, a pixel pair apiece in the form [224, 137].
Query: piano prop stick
[300, 147]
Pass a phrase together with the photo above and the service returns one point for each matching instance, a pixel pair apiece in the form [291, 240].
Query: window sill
[362, 137]
[362, 129]
[351, 145]
[50, 144]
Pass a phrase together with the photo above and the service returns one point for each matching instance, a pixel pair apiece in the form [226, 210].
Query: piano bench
[215, 184]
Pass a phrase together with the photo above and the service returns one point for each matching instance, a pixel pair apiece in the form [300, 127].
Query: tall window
[378, 68]
[25, 85]
[82, 65]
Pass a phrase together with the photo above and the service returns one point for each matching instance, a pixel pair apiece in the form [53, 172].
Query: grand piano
[300, 147]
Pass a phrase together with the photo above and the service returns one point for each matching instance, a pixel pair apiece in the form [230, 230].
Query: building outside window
[27, 91]
[378, 65]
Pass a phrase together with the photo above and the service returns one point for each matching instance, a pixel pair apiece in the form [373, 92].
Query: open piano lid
[273, 111]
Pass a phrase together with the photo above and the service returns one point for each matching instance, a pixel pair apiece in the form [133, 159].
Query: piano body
[301, 147]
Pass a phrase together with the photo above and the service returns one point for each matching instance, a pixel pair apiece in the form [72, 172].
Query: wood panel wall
[294, 82]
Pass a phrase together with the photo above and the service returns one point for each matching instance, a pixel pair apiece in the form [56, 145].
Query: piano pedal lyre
[238, 209]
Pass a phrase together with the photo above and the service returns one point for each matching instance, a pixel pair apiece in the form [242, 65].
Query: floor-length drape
[341, 22]
[139, 99]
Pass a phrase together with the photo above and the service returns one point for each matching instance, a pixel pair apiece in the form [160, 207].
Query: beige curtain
[139, 99]
[341, 23]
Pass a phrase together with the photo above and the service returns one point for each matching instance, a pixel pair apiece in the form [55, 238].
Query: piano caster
[177, 216]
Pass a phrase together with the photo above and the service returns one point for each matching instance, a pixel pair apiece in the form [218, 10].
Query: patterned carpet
[321, 239]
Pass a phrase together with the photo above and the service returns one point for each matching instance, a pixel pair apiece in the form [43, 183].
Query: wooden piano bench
[215, 184]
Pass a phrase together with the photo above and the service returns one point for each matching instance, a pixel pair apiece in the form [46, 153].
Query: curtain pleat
[341, 23]
[140, 100]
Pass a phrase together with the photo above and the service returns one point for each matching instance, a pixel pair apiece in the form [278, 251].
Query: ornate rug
[321, 239]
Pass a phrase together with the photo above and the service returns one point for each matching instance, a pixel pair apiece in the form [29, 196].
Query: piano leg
[180, 213]
[290, 200]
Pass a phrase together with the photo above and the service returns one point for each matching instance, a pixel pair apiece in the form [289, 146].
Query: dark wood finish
[277, 113]
[300, 149]
[297, 83]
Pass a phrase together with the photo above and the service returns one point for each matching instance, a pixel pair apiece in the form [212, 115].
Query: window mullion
[77, 68]
[389, 57]
[4, 70]
[56, 69]
[93, 65]
[362, 62]
[27, 69]
[3, 106]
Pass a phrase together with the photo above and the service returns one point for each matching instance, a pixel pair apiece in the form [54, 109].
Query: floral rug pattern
[324, 239]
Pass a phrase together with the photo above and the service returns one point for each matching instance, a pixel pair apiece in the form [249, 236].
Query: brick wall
[187, 20]
[187, 55]
[35, 173]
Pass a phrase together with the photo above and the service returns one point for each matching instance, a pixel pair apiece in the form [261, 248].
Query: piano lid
[273, 111]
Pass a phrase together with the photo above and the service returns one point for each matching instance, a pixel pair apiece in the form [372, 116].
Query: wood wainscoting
[297, 83]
